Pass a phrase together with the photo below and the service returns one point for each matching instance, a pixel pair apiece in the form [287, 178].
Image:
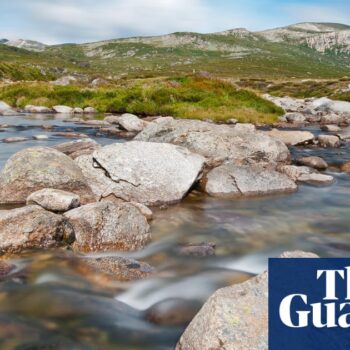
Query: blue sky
[58, 21]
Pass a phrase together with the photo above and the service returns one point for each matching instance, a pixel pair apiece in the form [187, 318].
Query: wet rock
[172, 312]
[197, 250]
[345, 167]
[37, 109]
[5, 268]
[130, 122]
[118, 268]
[71, 135]
[63, 109]
[295, 172]
[344, 134]
[291, 137]
[4, 107]
[332, 118]
[14, 139]
[313, 162]
[47, 126]
[90, 110]
[144, 210]
[234, 318]
[217, 143]
[54, 200]
[231, 181]
[77, 148]
[112, 119]
[144, 172]
[78, 110]
[329, 141]
[295, 118]
[316, 179]
[37, 168]
[331, 128]
[31, 227]
[40, 137]
[108, 226]
[97, 123]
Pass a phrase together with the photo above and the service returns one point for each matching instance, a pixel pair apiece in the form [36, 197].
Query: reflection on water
[46, 303]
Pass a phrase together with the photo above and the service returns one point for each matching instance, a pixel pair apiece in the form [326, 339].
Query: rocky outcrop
[217, 143]
[143, 172]
[75, 149]
[232, 181]
[54, 200]
[37, 168]
[108, 226]
[234, 318]
[291, 137]
[32, 227]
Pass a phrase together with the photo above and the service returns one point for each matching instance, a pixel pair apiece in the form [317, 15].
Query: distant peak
[235, 31]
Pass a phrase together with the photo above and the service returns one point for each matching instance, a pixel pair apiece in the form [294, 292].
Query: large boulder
[143, 172]
[54, 200]
[329, 141]
[232, 181]
[6, 109]
[325, 104]
[37, 109]
[63, 109]
[130, 122]
[31, 227]
[108, 226]
[36, 168]
[291, 137]
[217, 142]
[77, 148]
[234, 318]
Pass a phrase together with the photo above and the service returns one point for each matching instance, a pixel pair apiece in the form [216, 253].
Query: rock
[90, 110]
[232, 121]
[14, 139]
[40, 137]
[313, 118]
[325, 104]
[144, 210]
[329, 141]
[6, 268]
[232, 181]
[112, 119]
[331, 128]
[65, 81]
[332, 118]
[71, 135]
[36, 168]
[99, 82]
[291, 137]
[54, 200]
[217, 142]
[197, 250]
[295, 118]
[130, 122]
[63, 109]
[295, 172]
[345, 167]
[143, 172]
[118, 268]
[108, 226]
[287, 103]
[75, 149]
[344, 134]
[78, 110]
[37, 109]
[172, 312]
[4, 107]
[31, 227]
[234, 318]
[316, 179]
[240, 127]
[313, 162]
[97, 123]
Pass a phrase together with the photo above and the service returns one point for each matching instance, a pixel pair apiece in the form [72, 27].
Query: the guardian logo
[309, 304]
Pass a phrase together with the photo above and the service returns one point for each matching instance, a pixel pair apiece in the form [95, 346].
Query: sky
[62, 21]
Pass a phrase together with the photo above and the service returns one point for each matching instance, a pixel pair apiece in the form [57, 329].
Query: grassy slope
[185, 97]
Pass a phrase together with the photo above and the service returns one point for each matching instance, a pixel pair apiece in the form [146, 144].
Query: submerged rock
[14, 139]
[77, 148]
[31, 227]
[313, 162]
[316, 179]
[36, 168]
[329, 141]
[54, 200]
[291, 137]
[197, 250]
[108, 226]
[231, 181]
[234, 318]
[142, 172]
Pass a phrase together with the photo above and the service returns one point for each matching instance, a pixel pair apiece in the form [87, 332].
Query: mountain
[305, 50]
[3, 41]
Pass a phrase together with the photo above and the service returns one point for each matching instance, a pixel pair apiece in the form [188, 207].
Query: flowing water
[46, 303]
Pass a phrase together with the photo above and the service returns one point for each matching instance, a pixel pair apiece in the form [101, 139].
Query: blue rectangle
[303, 313]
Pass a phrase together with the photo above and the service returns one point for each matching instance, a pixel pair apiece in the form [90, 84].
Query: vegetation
[183, 97]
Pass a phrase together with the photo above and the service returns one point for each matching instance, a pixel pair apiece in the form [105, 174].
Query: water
[48, 303]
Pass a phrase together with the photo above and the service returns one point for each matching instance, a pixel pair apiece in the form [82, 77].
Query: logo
[309, 304]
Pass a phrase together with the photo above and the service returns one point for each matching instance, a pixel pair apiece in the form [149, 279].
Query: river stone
[329, 141]
[331, 128]
[77, 148]
[31, 227]
[291, 137]
[217, 143]
[90, 110]
[40, 137]
[313, 162]
[295, 118]
[130, 122]
[112, 119]
[63, 109]
[332, 118]
[344, 134]
[234, 318]
[316, 179]
[146, 172]
[15, 139]
[54, 200]
[108, 226]
[36, 168]
[4, 106]
[231, 181]
[37, 109]
[294, 172]
[78, 110]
